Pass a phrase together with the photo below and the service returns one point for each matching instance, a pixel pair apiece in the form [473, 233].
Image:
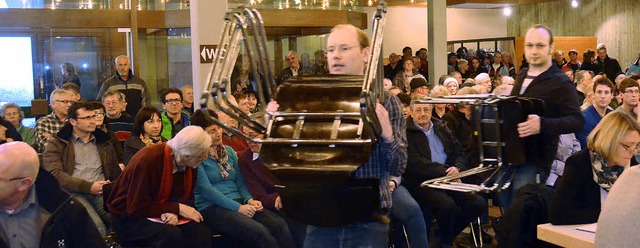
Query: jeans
[298, 229]
[265, 229]
[407, 212]
[95, 209]
[362, 234]
[524, 174]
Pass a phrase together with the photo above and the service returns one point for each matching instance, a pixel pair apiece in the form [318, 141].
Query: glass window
[17, 85]
[72, 59]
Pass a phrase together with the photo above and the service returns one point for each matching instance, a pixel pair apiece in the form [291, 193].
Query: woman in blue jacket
[224, 200]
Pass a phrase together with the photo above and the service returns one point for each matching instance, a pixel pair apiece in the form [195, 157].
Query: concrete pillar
[437, 38]
[207, 20]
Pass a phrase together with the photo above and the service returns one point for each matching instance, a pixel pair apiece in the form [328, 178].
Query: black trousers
[143, 232]
[452, 209]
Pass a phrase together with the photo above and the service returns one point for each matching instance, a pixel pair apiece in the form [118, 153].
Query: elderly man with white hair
[292, 70]
[484, 80]
[152, 203]
[34, 211]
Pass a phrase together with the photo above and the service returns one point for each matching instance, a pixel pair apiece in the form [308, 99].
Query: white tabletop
[566, 236]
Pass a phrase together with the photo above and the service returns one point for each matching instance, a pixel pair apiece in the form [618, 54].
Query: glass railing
[351, 5]
[96, 4]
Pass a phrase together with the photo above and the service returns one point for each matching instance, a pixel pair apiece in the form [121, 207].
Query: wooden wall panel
[564, 43]
[311, 18]
[613, 22]
[277, 22]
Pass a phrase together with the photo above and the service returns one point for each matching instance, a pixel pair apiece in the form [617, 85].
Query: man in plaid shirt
[49, 125]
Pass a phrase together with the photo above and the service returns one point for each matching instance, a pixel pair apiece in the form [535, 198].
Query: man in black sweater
[561, 110]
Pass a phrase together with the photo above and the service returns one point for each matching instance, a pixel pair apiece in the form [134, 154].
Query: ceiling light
[574, 3]
[507, 11]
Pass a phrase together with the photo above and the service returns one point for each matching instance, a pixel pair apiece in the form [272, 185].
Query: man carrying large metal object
[561, 114]
[333, 141]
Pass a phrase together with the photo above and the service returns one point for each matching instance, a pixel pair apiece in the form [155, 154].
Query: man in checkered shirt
[49, 125]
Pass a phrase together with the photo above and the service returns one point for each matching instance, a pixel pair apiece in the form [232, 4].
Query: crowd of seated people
[211, 181]
[598, 95]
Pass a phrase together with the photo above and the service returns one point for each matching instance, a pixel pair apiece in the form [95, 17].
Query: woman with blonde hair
[402, 79]
[439, 109]
[590, 173]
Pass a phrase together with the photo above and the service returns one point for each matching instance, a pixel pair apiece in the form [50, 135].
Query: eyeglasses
[341, 48]
[174, 100]
[11, 179]
[110, 103]
[632, 91]
[65, 101]
[99, 114]
[632, 149]
[91, 117]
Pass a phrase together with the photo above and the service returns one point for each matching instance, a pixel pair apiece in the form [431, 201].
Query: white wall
[475, 24]
[407, 26]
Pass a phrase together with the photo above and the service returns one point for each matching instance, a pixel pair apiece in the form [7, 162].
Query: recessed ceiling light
[507, 11]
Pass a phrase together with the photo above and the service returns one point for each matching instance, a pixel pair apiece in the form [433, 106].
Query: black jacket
[590, 67]
[69, 224]
[609, 66]
[390, 72]
[11, 131]
[518, 225]
[561, 113]
[132, 145]
[460, 126]
[419, 164]
[577, 196]
[285, 74]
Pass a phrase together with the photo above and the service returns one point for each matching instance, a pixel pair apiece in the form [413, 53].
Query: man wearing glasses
[34, 212]
[173, 119]
[83, 160]
[629, 89]
[49, 125]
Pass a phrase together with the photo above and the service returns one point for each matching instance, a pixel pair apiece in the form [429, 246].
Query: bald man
[36, 213]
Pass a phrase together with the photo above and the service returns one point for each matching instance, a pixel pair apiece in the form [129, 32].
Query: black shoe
[486, 237]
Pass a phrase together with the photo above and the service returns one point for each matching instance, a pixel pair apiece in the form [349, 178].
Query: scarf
[219, 154]
[167, 179]
[602, 174]
[149, 140]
